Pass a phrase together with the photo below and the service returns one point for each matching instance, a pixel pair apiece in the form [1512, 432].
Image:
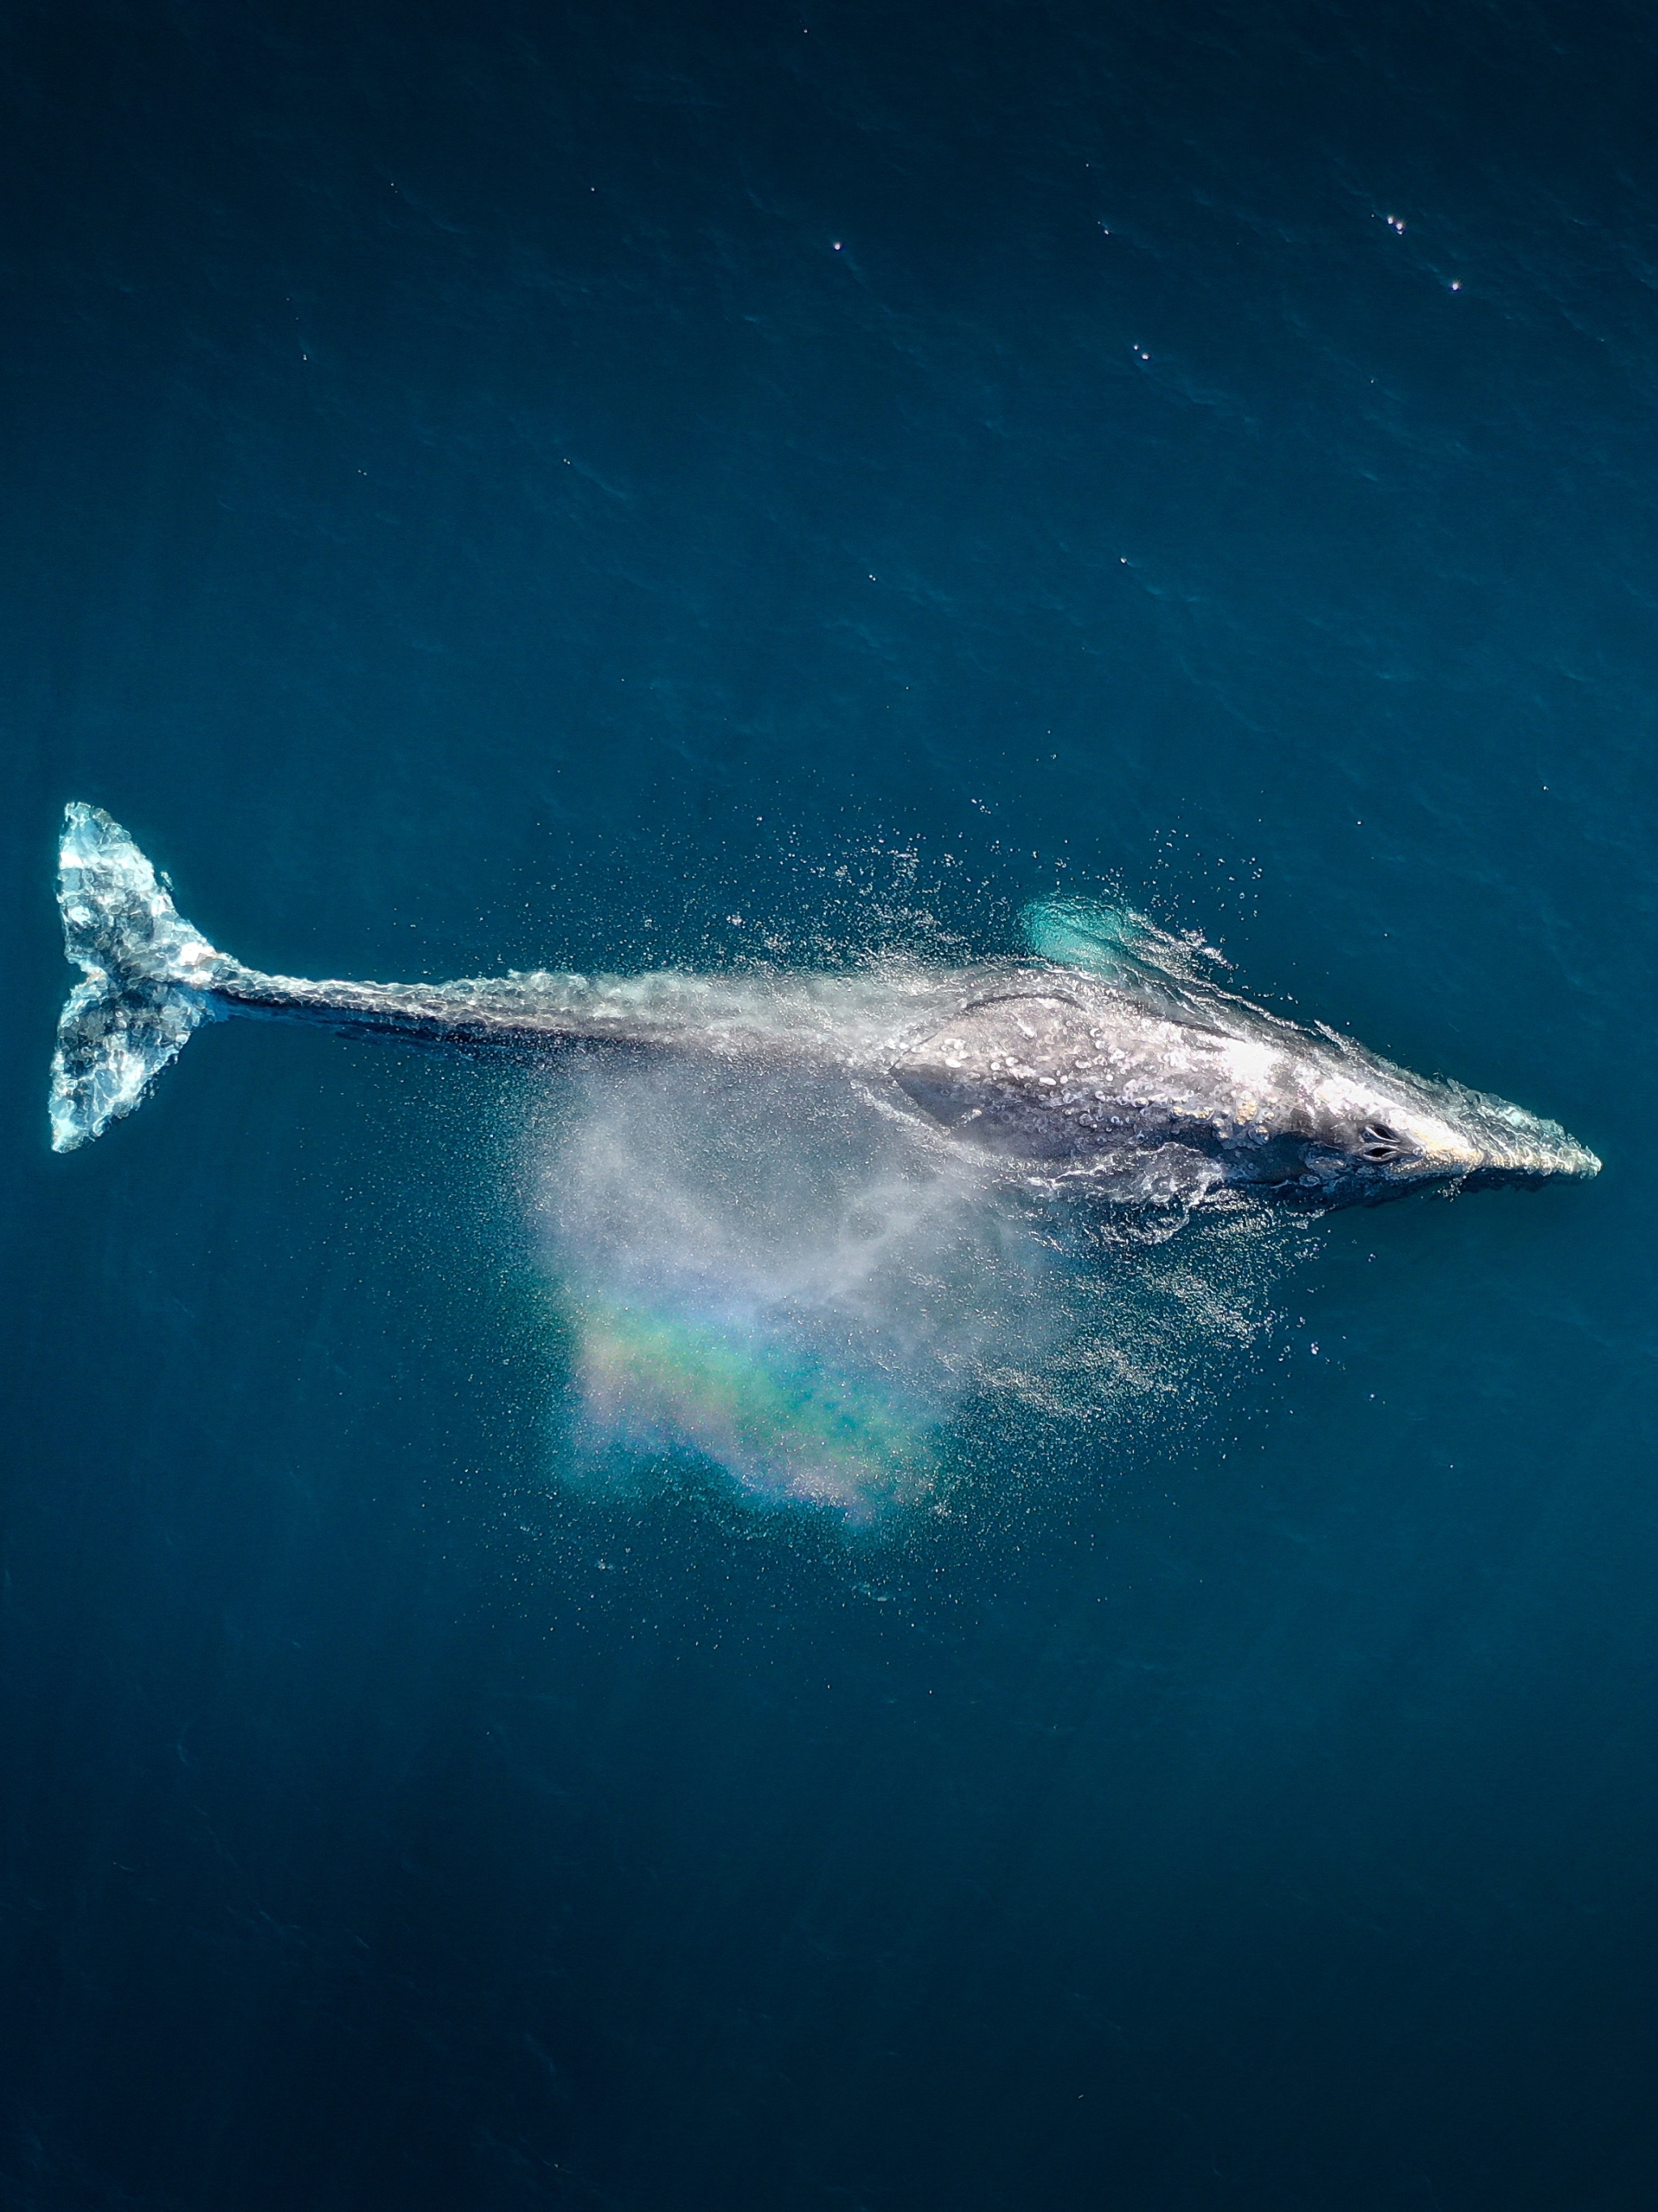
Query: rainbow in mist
[788, 1427]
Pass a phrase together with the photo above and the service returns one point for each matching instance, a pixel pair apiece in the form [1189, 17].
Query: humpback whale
[1106, 1060]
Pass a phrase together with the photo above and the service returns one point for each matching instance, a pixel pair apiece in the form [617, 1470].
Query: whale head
[1376, 1132]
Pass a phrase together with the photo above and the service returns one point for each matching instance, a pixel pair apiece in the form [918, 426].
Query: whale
[1106, 1058]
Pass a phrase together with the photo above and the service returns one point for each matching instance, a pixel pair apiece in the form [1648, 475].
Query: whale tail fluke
[148, 975]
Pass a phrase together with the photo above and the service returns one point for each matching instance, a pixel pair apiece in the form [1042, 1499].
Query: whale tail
[147, 976]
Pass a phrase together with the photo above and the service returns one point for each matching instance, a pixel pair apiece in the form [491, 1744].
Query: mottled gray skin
[1072, 1070]
[1142, 1081]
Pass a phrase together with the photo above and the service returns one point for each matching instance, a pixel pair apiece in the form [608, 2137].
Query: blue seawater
[565, 1643]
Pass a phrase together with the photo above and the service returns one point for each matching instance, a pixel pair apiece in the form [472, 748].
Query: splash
[772, 1275]
[776, 1280]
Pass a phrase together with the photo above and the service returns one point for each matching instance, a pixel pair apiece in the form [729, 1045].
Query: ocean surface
[574, 1638]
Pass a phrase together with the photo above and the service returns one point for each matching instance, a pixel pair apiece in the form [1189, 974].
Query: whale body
[1104, 1060]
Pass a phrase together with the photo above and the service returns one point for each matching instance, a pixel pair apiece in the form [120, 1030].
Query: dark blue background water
[476, 478]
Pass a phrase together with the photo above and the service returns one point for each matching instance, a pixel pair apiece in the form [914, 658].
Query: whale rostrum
[1107, 1059]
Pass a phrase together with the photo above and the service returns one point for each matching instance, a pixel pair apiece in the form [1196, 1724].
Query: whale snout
[1552, 1158]
[1491, 1143]
[1396, 1134]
